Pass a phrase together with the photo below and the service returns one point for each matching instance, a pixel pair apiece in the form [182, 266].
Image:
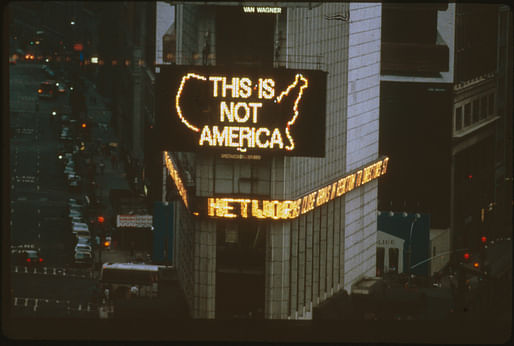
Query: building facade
[442, 122]
[280, 269]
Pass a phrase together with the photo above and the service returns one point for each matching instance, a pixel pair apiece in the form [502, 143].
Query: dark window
[475, 110]
[458, 118]
[393, 260]
[380, 261]
[483, 107]
[467, 114]
[491, 104]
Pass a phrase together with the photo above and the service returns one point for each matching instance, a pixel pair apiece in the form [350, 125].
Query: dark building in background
[445, 116]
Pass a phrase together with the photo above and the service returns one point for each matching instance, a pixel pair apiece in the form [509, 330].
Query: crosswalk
[83, 273]
[37, 304]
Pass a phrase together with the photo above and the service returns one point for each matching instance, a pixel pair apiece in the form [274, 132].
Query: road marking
[80, 307]
[26, 301]
[15, 301]
[35, 271]
[35, 304]
[26, 269]
[37, 187]
[45, 269]
[55, 269]
[16, 269]
[88, 307]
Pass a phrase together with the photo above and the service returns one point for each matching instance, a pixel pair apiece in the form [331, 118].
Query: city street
[39, 196]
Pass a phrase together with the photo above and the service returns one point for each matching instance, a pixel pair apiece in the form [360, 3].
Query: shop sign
[134, 221]
[244, 208]
[254, 111]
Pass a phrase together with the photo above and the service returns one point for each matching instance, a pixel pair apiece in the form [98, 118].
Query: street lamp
[416, 218]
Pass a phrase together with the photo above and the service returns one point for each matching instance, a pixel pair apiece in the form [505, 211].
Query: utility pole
[416, 218]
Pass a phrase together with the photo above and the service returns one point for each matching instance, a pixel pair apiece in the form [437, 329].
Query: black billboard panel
[241, 110]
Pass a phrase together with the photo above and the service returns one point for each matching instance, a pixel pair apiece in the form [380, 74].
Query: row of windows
[474, 111]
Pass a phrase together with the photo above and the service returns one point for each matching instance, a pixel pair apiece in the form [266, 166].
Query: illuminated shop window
[458, 118]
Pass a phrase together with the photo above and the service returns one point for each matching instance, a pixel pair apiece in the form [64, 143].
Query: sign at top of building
[241, 110]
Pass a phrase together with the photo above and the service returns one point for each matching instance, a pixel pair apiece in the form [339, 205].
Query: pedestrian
[102, 166]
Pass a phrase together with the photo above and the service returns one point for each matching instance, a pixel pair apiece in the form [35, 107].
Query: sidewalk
[113, 176]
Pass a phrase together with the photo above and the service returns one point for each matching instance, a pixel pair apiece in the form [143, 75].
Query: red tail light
[28, 259]
[40, 259]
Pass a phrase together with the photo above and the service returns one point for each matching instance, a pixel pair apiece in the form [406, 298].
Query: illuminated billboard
[241, 110]
[259, 209]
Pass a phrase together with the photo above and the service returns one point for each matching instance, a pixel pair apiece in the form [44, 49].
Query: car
[80, 224]
[83, 247]
[76, 211]
[47, 89]
[73, 177]
[82, 258]
[61, 88]
[83, 240]
[26, 255]
[69, 170]
[77, 219]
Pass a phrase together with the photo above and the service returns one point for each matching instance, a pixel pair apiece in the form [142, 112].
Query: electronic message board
[249, 207]
[239, 110]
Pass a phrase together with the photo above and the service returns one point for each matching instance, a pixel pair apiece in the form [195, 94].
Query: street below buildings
[40, 195]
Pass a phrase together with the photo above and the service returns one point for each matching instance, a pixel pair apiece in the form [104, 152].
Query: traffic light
[483, 240]
[476, 265]
[466, 256]
[100, 219]
[83, 125]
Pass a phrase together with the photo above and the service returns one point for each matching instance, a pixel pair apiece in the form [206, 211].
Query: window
[467, 114]
[475, 110]
[458, 118]
[231, 234]
[380, 261]
[393, 260]
[483, 107]
[491, 104]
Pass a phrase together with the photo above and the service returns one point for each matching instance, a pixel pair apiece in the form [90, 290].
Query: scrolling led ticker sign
[241, 110]
[251, 208]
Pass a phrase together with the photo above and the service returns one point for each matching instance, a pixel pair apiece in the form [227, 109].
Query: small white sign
[136, 221]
